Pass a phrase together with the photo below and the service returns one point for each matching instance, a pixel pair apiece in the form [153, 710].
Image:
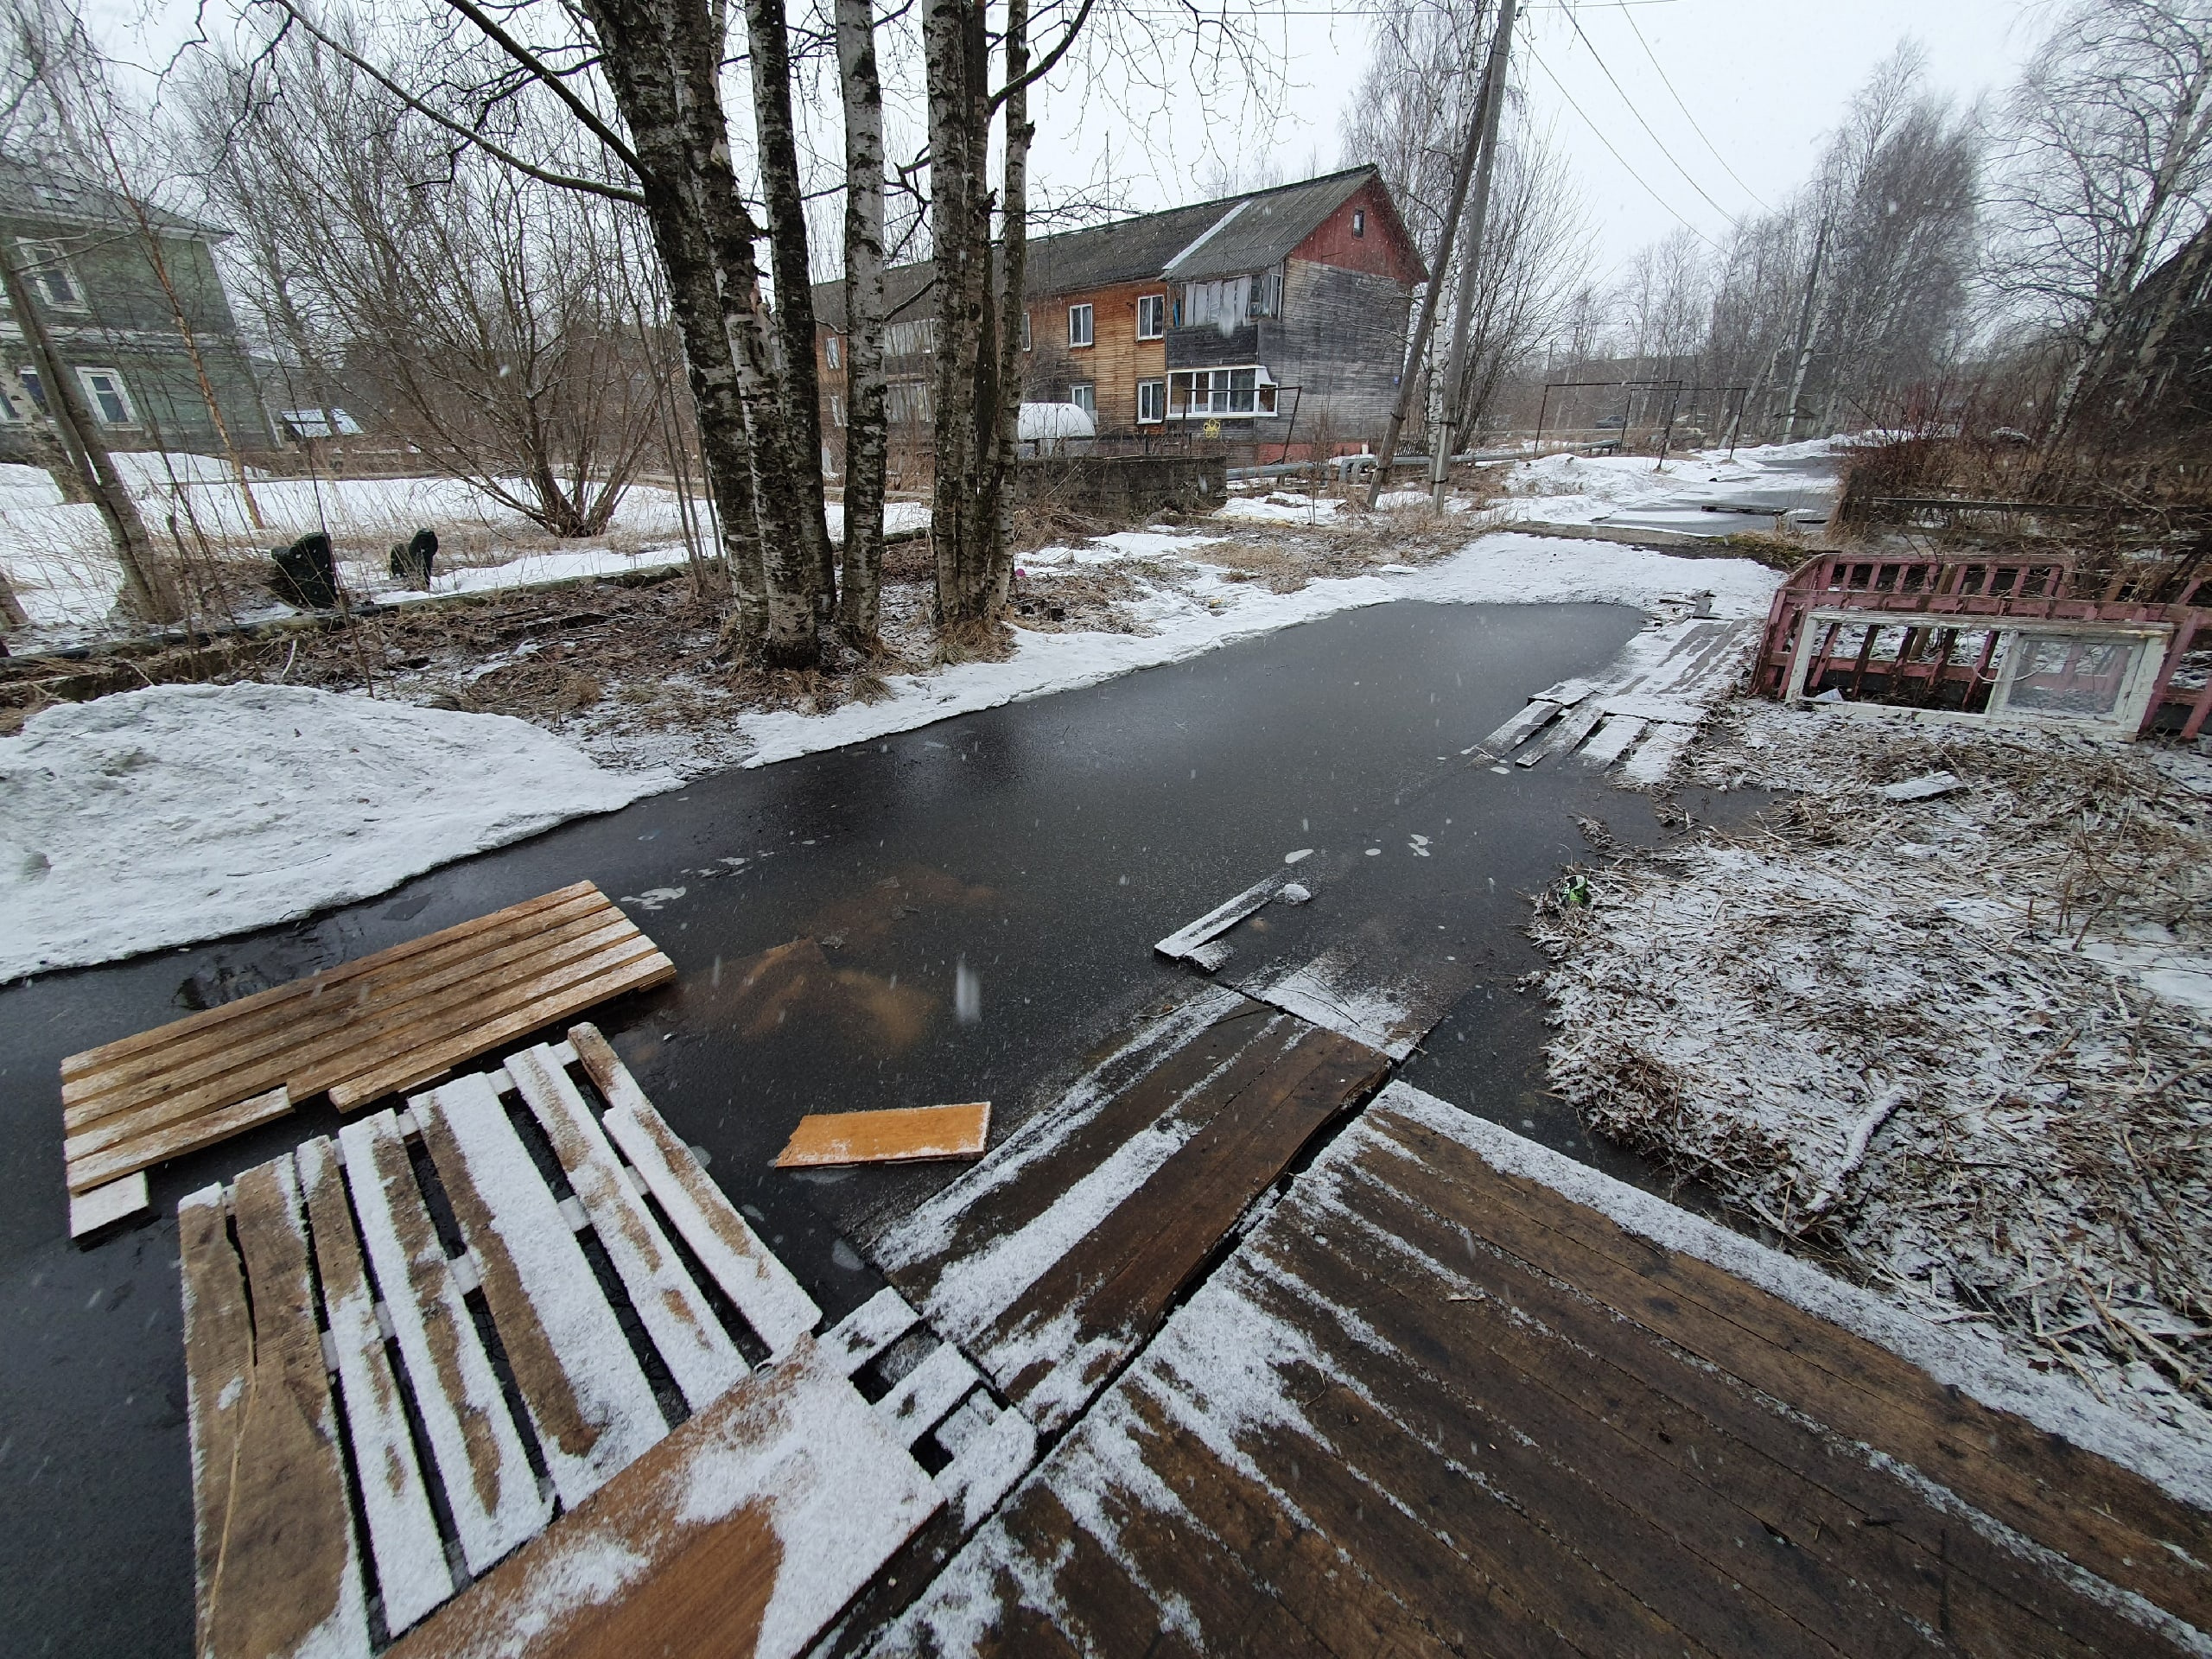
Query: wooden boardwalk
[1429, 1406]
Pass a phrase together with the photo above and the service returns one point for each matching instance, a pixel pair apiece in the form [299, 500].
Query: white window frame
[836, 409]
[41, 260]
[122, 396]
[1081, 328]
[1155, 393]
[1221, 393]
[831, 355]
[1083, 394]
[1155, 306]
[2148, 641]
[1026, 344]
[1359, 222]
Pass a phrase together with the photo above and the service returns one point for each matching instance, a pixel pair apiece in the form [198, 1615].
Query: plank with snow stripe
[919, 1400]
[587, 1395]
[773, 1302]
[698, 1352]
[1531, 719]
[1190, 937]
[490, 1490]
[411, 1558]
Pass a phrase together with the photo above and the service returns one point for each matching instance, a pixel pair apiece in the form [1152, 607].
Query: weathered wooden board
[675, 1311]
[589, 1398]
[900, 1135]
[773, 1302]
[1428, 1407]
[743, 1532]
[1532, 718]
[377, 1026]
[103, 1206]
[1054, 1259]
[489, 1488]
[1612, 740]
[1190, 939]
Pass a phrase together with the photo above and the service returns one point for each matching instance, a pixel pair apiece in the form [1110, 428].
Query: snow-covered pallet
[361, 1316]
[373, 1028]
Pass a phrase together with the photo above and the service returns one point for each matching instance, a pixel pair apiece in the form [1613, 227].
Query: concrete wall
[1125, 486]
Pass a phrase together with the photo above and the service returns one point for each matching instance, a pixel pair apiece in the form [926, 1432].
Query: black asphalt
[1042, 846]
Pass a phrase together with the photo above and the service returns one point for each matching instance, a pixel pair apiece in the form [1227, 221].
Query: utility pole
[1455, 373]
[1418, 346]
[147, 592]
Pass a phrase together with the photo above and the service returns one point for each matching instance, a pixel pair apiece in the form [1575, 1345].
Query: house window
[33, 390]
[1079, 325]
[1083, 395]
[1152, 316]
[1359, 221]
[49, 273]
[836, 409]
[1196, 394]
[1025, 331]
[110, 403]
[831, 355]
[1266, 294]
[1152, 401]
[1225, 303]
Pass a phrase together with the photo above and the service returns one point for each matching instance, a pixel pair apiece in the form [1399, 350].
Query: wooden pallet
[1434, 1405]
[373, 1028]
[359, 1316]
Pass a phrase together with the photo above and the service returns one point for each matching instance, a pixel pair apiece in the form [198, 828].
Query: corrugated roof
[1266, 226]
[1229, 235]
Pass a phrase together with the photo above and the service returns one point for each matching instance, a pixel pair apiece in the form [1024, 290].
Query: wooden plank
[103, 1206]
[674, 1311]
[218, 1359]
[1531, 719]
[984, 1470]
[754, 1520]
[451, 1039]
[1612, 741]
[2104, 1517]
[922, 1398]
[89, 1170]
[1187, 939]
[490, 1490]
[411, 1558]
[588, 1398]
[868, 1330]
[193, 1049]
[287, 1577]
[93, 1059]
[901, 1135]
[747, 1271]
[1655, 756]
[1563, 736]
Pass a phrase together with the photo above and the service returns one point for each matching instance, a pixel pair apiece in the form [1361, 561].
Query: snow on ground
[1953, 1046]
[1209, 610]
[1565, 489]
[185, 812]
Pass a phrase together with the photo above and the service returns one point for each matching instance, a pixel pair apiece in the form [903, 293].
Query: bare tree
[867, 396]
[2106, 168]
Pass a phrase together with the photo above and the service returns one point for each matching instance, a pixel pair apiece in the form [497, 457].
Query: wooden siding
[1114, 363]
[1384, 250]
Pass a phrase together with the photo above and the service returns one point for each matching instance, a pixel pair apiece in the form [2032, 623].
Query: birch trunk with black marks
[964, 503]
[148, 592]
[867, 429]
[662, 62]
[1014, 214]
[794, 316]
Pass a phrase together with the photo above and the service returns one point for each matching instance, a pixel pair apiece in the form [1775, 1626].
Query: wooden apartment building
[1273, 320]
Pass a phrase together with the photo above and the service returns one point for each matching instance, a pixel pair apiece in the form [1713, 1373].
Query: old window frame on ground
[1082, 327]
[1152, 316]
[43, 265]
[2015, 639]
[1152, 401]
[88, 376]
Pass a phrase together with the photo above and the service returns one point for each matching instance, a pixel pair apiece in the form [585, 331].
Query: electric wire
[1686, 116]
[1537, 58]
[1646, 126]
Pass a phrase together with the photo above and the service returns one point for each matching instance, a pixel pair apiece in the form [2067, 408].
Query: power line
[1645, 124]
[1537, 58]
[1686, 116]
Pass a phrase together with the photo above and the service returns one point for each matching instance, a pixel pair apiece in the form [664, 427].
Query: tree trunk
[867, 430]
[52, 457]
[1808, 331]
[794, 314]
[964, 505]
[1013, 212]
[664, 63]
[148, 593]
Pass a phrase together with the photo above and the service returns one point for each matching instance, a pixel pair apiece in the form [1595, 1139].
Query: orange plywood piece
[906, 1134]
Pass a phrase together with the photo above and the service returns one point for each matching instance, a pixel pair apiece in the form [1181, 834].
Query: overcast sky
[1763, 81]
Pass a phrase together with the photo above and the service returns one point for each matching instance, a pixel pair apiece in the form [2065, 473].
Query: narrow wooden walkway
[1431, 1407]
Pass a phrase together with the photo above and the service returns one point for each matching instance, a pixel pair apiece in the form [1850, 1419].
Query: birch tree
[867, 433]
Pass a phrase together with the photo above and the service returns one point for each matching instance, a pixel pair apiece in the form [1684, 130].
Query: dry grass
[1915, 1042]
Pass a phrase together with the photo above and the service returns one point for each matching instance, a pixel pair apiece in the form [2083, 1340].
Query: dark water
[1030, 853]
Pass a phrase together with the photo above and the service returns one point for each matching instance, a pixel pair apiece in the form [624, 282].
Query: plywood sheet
[902, 1136]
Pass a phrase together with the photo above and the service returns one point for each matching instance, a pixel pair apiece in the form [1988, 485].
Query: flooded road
[957, 913]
